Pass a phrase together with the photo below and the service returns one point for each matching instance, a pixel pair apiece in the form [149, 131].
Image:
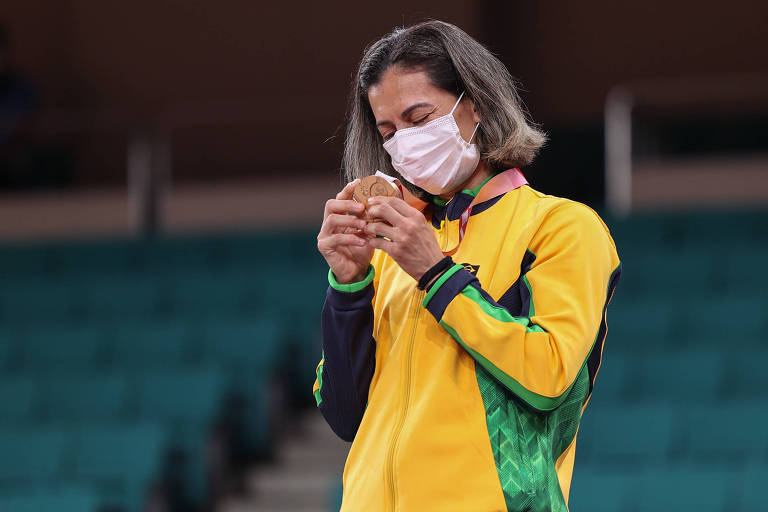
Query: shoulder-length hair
[454, 62]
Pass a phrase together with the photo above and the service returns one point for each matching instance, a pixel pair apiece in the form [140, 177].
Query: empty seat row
[61, 498]
[168, 395]
[139, 345]
[664, 229]
[261, 290]
[656, 435]
[213, 253]
[187, 405]
[680, 488]
[121, 462]
[689, 322]
[692, 269]
[681, 376]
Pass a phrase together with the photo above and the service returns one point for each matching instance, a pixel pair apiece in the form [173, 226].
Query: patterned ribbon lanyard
[496, 186]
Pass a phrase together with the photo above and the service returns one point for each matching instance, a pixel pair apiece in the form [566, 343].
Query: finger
[342, 206]
[397, 204]
[335, 241]
[380, 229]
[346, 192]
[385, 212]
[381, 243]
[336, 223]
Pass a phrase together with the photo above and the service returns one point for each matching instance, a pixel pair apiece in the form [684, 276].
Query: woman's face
[404, 98]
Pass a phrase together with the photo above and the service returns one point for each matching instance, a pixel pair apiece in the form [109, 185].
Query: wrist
[354, 279]
[354, 286]
[434, 272]
[434, 279]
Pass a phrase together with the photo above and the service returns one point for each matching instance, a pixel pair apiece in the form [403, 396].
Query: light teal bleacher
[679, 412]
[139, 350]
[69, 499]
[120, 360]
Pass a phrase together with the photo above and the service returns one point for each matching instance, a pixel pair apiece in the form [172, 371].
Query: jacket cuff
[448, 285]
[351, 287]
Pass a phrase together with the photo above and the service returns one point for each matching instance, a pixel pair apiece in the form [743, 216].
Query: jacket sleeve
[348, 362]
[537, 347]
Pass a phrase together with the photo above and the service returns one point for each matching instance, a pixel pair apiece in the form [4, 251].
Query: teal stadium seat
[180, 396]
[84, 399]
[196, 294]
[727, 433]
[250, 346]
[120, 297]
[94, 258]
[639, 324]
[188, 403]
[62, 347]
[22, 261]
[664, 272]
[135, 345]
[28, 301]
[31, 455]
[596, 489]
[751, 487]
[747, 375]
[617, 376]
[681, 377]
[9, 347]
[66, 499]
[251, 353]
[743, 272]
[686, 488]
[737, 226]
[721, 321]
[626, 436]
[18, 399]
[121, 462]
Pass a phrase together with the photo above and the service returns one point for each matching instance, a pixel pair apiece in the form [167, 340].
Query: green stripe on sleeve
[318, 397]
[539, 402]
[351, 287]
[499, 313]
[442, 279]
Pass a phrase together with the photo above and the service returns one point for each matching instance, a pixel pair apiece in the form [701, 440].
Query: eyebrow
[407, 111]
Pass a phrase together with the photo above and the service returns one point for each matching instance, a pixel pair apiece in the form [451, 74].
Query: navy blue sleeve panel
[349, 358]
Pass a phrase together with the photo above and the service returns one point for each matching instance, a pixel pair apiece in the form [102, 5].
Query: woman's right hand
[342, 240]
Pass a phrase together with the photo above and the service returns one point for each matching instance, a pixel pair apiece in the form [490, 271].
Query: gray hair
[454, 62]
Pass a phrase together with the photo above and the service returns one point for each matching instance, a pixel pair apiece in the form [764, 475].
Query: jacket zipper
[396, 437]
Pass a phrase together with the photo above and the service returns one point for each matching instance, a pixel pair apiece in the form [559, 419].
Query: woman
[462, 329]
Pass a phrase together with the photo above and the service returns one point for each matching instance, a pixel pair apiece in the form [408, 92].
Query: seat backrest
[31, 455]
[97, 397]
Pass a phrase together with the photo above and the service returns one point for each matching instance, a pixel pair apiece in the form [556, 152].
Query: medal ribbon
[496, 186]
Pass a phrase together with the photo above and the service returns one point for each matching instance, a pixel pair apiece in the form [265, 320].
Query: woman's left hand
[412, 243]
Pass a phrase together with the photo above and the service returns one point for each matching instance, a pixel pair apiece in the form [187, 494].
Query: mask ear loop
[473, 133]
[457, 101]
[476, 126]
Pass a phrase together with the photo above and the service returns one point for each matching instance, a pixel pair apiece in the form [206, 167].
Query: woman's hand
[412, 243]
[341, 240]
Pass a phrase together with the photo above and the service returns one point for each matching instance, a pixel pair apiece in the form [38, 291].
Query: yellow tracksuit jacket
[468, 397]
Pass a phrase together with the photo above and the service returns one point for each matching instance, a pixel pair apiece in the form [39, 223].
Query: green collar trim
[473, 192]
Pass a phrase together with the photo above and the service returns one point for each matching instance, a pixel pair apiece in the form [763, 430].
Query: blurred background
[163, 169]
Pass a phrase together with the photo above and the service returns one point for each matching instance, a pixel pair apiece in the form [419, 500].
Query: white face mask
[434, 156]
